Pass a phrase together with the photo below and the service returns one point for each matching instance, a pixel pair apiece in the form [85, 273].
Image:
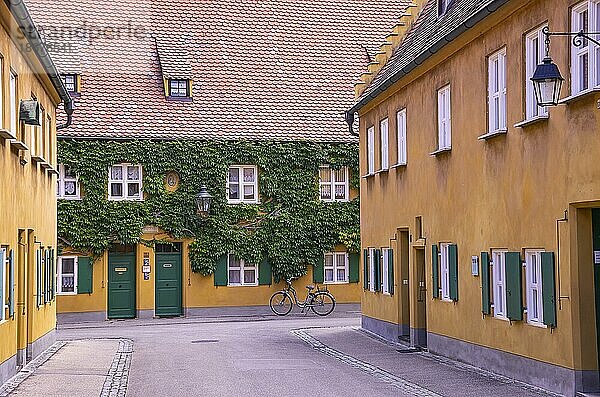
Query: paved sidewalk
[79, 368]
[412, 373]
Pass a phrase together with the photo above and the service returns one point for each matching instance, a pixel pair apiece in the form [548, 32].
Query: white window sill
[578, 96]
[440, 151]
[335, 201]
[500, 317]
[3, 321]
[37, 159]
[399, 165]
[533, 120]
[124, 199]
[242, 285]
[66, 293]
[45, 165]
[68, 198]
[335, 282]
[243, 202]
[382, 171]
[18, 145]
[492, 134]
[448, 300]
[6, 134]
[537, 324]
[368, 175]
[52, 171]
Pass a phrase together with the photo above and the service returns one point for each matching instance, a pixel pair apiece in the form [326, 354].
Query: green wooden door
[121, 286]
[168, 285]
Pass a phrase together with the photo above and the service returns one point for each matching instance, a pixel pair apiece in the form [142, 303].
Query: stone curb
[14, 382]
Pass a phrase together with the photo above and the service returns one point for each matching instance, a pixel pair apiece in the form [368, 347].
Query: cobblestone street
[236, 357]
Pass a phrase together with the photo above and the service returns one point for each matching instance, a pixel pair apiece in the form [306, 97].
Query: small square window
[241, 273]
[125, 182]
[335, 267]
[70, 81]
[67, 183]
[179, 88]
[333, 184]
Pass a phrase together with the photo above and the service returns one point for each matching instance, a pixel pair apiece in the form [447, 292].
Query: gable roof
[428, 35]
[269, 69]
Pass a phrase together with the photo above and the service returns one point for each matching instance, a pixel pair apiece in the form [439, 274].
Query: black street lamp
[203, 200]
[547, 80]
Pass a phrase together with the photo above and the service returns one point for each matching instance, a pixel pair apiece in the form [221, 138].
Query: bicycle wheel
[281, 303]
[323, 303]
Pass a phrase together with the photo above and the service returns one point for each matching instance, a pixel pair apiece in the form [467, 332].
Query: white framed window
[497, 91]
[242, 184]
[371, 269]
[333, 184]
[371, 150]
[585, 58]
[384, 146]
[444, 119]
[385, 269]
[67, 183]
[179, 88]
[533, 276]
[445, 271]
[499, 283]
[336, 268]
[240, 273]
[14, 122]
[48, 140]
[3, 282]
[67, 275]
[125, 182]
[535, 49]
[401, 137]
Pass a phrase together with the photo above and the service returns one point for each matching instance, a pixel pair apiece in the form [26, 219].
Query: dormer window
[179, 88]
[443, 6]
[71, 82]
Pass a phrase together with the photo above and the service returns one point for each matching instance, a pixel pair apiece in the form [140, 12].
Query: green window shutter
[435, 266]
[84, 275]
[11, 284]
[391, 271]
[366, 269]
[47, 277]
[319, 271]
[548, 289]
[453, 271]
[485, 283]
[377, 278]
[221, 271]
[265, 275]
[53, 272]
[514, 289]
[353, 271]
[38, 272]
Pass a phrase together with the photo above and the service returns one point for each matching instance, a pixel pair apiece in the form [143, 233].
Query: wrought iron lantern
[547, 82]
[203, 200]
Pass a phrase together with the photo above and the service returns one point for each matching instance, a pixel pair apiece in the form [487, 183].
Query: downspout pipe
[468, 24]
[28, 29]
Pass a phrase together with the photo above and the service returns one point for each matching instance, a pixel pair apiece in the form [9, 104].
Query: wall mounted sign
[597, 257]
[475, 265]
[146, 266]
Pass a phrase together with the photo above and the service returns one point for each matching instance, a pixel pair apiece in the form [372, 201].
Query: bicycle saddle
[310, 287]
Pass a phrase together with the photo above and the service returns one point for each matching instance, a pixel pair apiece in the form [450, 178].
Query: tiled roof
[268, 69]
[426, 36]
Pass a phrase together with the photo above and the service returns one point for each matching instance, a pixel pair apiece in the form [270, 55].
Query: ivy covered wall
[291, 226]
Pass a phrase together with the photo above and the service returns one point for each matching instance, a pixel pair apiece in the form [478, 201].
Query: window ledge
[6, 134]
[37, 159]
[123, 199]
[400, 165]
[440, 151]
[368, 175]
[16, 144]
[579, 95]
[533, 120]
[45, 165]
[242, 285]
[52, 171]
[68, 198]
[335, 282]
[180, 99]
[243, 202]
[538, 325]
[492, 134]
[382, 171]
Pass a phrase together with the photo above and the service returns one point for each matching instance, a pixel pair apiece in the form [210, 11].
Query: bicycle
[321, 302]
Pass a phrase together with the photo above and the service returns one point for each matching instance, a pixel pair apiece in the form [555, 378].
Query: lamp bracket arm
[578, 37]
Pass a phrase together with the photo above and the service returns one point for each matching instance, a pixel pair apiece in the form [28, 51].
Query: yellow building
[480, 214]
[30, 91]
[254, 117]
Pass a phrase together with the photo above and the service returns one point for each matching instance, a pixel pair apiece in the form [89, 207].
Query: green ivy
[291, 226]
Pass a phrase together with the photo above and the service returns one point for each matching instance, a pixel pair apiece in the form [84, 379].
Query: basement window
[179, 88]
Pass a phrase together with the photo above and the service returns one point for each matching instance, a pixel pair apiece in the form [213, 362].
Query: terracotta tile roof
[268, 69]
[427, 35]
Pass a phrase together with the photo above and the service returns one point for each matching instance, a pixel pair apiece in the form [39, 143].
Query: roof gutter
[29, 30]
[468, 24]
